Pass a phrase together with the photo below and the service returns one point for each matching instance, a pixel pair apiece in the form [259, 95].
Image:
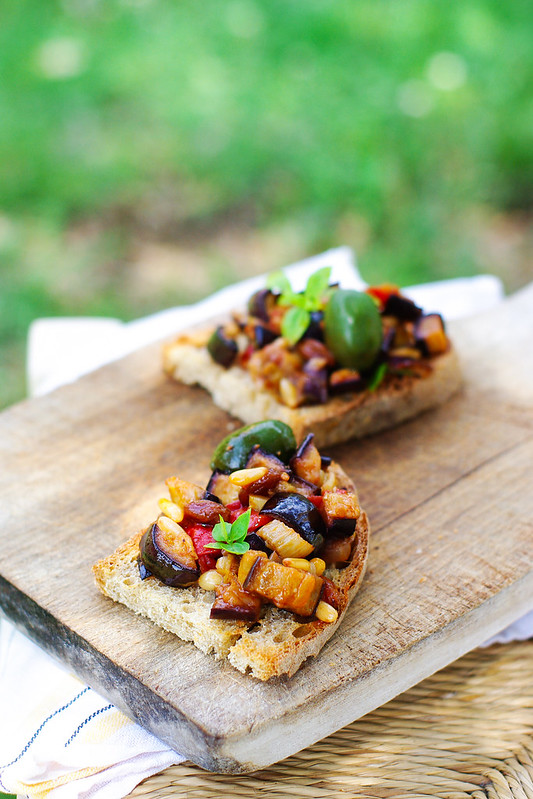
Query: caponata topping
[263, 533]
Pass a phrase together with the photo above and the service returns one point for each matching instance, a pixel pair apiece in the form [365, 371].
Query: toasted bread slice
[351, 415]
[275, 645]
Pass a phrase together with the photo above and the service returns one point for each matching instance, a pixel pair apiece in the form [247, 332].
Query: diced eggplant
[257, 543]
[284, 540]
[211, 497]
[204, 511]
[233, 602]
[222, 349]
[343, 380]
[315, 385]
[337, 551]
[315, 329]
[167, 551]
[261, 303]
[260, 457]
[340, 510]
[299, 513]
[298, 485]
[404, 335]
[143, 571]
[220, 485]
[306, 463]
[325, 461]
[246, 563]
[263, 335]
[311, 350]
[402, 308]
[430, 335]
[336, 478]
[284, 586]
[264, 485]
[388, 339]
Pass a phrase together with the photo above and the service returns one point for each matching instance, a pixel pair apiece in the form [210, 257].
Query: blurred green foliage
[396, 120]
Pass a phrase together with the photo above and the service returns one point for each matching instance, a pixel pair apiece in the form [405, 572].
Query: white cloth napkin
[59, 738]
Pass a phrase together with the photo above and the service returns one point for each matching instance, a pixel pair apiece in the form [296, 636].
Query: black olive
[299, 513]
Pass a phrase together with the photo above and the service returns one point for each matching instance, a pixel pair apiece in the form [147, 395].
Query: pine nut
[169, 525]
[171, 509]
[244, 477]
[226, 563]
[288, 392]
[210, 579]
[297, 563]
[326, 612]
[320, 566]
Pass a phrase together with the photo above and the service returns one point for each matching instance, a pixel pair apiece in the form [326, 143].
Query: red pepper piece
[202, 535]
[382, 293]
[317, 500]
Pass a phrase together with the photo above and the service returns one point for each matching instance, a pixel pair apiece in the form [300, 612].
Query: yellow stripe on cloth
[39, 790]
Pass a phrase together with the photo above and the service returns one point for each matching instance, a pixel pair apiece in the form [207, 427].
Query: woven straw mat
[467, 731]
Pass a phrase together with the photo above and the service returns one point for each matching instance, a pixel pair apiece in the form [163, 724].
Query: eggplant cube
[430, 335]
[286, 587]
[341, 511]
[306, 463]
[233, 602]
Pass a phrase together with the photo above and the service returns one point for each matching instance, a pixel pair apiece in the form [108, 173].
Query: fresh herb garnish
[313, 298]
[231, 536]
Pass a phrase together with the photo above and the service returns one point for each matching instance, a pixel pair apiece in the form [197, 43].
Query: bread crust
[350, 415]
[276, 645]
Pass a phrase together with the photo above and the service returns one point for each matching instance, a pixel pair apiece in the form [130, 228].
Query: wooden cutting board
[450, 501]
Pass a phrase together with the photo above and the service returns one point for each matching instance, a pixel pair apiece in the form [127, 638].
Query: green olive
[271, 435]
[352, 328]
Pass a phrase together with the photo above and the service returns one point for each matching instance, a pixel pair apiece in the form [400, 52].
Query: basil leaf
[220, 530]
[237, 547]
[316, 288]
[278, 281]
[294, 324]
[239, 528]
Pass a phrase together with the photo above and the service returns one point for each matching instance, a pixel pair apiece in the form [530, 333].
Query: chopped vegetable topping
[264, 532]
[305, 347]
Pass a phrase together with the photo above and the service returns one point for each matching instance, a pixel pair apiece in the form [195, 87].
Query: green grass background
[247, 133]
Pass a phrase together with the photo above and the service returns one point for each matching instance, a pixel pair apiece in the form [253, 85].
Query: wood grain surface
[450, 501]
